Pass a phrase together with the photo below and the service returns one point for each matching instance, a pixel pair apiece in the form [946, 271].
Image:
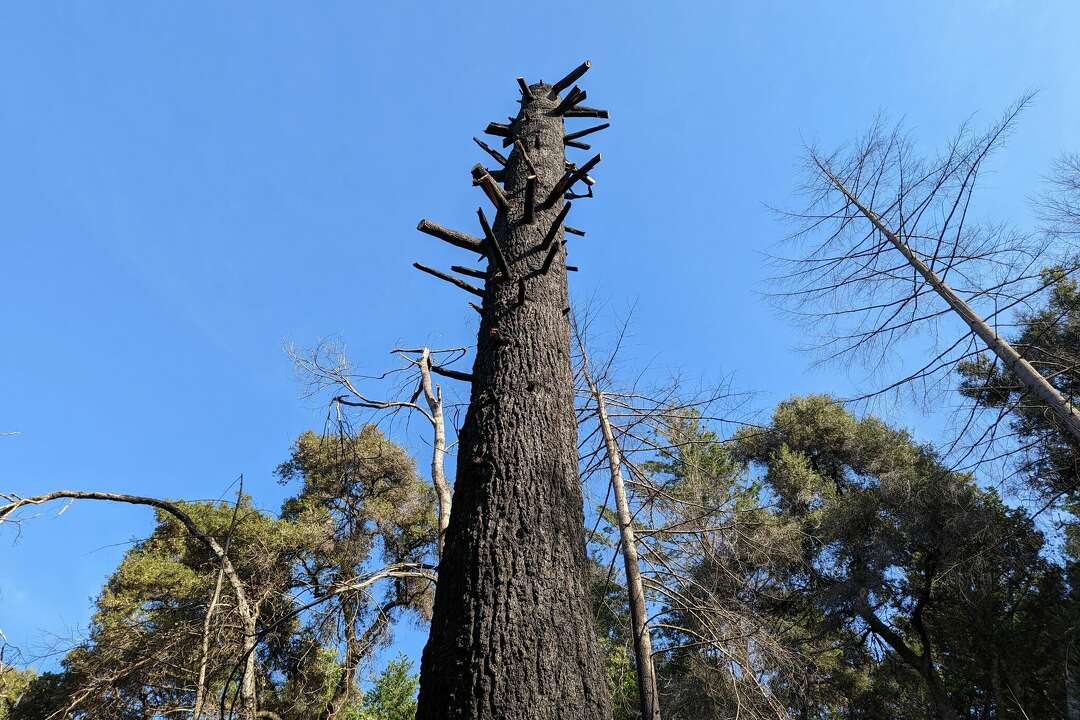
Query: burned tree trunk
[648, 697]
[512, 634]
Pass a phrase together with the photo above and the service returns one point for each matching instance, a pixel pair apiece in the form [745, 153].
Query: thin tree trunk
[995, 684]
[512, 634]
[942, 704]
[1072, 687]
[249, 692]
[433, 395]
[1027, 374]
[204, 656]
[646, 672]
[922, 664]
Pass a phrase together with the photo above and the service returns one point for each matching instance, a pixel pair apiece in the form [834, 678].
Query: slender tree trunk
[347, 689]
[648, 696]
[512, 635]
[942, 704]
[1072, 686]
[249, 693]
[920, 663]
[204, 657]
[215, 597]
[995, 684]
[433, 395]
[1028, 375]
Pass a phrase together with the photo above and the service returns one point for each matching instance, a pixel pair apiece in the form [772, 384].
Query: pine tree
[512, 634]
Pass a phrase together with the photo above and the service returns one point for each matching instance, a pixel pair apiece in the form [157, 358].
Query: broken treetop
[517, 196]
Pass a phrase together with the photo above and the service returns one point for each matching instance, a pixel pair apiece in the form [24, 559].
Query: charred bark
[512, 634]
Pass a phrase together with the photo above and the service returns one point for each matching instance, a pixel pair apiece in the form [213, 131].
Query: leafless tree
[699, 556]
[646, 674]
[326, 367]
[1059, 204]
[889, 249]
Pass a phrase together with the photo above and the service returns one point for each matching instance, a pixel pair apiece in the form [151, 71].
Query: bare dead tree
[433, 395]
[511, 634]
[701, 553]
[890, 250]
[326, 366]
[646, 673]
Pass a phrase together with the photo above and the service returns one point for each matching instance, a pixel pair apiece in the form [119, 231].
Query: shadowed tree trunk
[920, 663]
[512, 634]
[1072, 692]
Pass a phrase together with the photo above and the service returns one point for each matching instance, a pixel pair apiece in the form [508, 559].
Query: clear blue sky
[184, 186]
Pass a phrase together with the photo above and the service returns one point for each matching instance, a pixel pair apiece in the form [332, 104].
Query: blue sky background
[185, 186]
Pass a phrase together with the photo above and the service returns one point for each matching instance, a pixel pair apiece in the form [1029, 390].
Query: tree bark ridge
[512, 635]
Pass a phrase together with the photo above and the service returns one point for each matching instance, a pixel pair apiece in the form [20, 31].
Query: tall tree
[511, 633]
[145, 646]
[226, 611]
[1045, 454]
[711, 549]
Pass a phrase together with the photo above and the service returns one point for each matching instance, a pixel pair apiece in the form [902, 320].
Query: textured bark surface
[512, 634]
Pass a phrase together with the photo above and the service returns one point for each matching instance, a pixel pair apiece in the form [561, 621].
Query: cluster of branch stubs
[522, 185]
[511, 631]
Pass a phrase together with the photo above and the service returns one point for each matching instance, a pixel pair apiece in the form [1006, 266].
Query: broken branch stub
[518, 502]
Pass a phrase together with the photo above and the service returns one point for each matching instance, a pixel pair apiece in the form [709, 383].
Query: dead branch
[457, 239]
[498, 156]
[450, 279]
[571, 77]
[247, 688]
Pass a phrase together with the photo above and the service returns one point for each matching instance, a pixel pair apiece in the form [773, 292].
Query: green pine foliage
[360, 504]
[392, 695]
